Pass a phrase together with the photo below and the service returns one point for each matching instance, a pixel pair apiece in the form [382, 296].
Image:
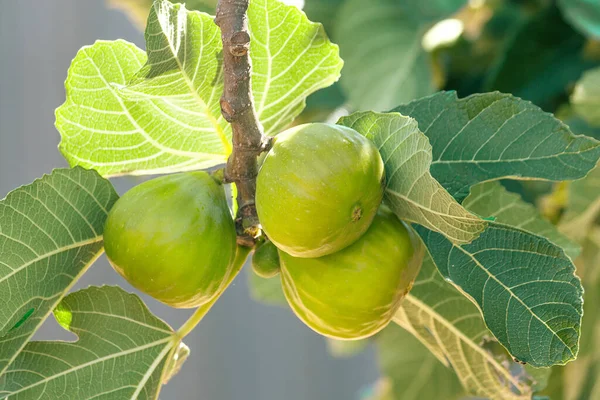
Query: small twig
[237, 107]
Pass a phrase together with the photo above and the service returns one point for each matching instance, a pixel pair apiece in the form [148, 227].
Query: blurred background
[242, 349]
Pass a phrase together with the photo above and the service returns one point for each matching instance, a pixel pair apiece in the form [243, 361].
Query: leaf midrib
[510, 292]
[101, 359]
[194, 93]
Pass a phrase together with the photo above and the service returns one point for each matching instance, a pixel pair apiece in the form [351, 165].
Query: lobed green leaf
[123, 352]
[525, 286]
[451, 327]
[491, 199]
[124, 118]
[493, 135]
[50, 233]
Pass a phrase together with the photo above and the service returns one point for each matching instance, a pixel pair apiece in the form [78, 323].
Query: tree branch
[237, 107]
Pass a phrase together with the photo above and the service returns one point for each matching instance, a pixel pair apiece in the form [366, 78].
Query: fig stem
[189, 325]
[237, 107]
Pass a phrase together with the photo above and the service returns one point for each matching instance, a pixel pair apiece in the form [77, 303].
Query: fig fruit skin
[318, 189]
[265, 260]
[173, 238]
[354, 293]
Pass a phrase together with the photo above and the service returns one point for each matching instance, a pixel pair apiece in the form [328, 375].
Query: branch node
[240, 43]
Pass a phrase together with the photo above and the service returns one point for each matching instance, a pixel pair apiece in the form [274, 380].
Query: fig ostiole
[355, 292]
[318, 189]
[173, 238]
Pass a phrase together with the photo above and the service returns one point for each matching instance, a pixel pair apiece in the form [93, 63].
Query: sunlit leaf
[166, 117]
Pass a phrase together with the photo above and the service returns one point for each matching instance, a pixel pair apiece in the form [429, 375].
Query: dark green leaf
[50, 232]
[431, 10]
[491, 199]
[385, 64]
[451, 327]
[122, 352]
[525, 286]
[493, 135]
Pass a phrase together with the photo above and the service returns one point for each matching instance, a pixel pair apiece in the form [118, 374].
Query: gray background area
[242, 349]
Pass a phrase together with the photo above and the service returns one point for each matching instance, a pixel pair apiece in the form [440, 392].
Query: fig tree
[173, 238]
[318, 189]
[354, 293]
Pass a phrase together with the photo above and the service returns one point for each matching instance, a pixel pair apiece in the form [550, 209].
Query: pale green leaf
[586, 96]
[493, 135]
[166, 117]
[583, 206]
[94, 114]
[451, 327]
[413, 371]
[137, 10]
[385, 64]
[583, 14]
[50, 232]
[491, 199]
[291, 58]
[525, 286]
[412, 193]
[121, 352]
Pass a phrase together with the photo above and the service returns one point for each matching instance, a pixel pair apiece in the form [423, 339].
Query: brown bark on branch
[237, 107]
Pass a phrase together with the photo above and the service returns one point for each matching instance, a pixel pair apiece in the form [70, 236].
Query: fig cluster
[345, 261]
